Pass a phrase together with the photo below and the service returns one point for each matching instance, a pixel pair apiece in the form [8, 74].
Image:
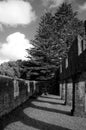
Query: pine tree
[66, 26]
[54, 37]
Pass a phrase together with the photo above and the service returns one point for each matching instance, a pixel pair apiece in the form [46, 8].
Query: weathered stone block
[69, 94]
[64, 91]
[79, 98]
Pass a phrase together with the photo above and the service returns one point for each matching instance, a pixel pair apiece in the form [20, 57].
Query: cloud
[2, 61]
[55, 3]
[15, 12]
[52, 3]
[82, 7]
[15, 47]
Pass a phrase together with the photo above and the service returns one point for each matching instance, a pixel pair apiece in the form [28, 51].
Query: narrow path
[44, 113]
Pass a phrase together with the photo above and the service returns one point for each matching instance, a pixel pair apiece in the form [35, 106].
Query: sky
[19, 20]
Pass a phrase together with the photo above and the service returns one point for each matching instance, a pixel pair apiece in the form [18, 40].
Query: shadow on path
[51, 102]
[58, 98]
[19, 115]
[50, 109]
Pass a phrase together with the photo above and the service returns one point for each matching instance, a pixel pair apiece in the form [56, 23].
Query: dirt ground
[44, 113]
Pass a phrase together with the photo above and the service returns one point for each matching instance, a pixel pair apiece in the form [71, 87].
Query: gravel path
[45, 113]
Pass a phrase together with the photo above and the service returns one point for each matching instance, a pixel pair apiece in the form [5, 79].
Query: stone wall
[79, 98]
[73, 91]
[69, 96]
[64, 91]
[14, 92]
[61, 90]
[80, 95]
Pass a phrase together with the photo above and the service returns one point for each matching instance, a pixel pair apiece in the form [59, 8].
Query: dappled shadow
[19, 115]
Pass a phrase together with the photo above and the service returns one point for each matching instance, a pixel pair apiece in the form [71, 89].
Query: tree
[12, 68]
[54, 37]
[42, 42]
[41, 53]
[66, 26]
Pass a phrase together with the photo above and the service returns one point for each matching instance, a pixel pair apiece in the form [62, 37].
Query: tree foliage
[67, 26]
[12, 69]
[54, 37]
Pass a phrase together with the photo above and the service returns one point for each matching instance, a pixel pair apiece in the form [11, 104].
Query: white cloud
[15, 47]
[82, 7]
[52, 3]
[2, 61]
[14, 12]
